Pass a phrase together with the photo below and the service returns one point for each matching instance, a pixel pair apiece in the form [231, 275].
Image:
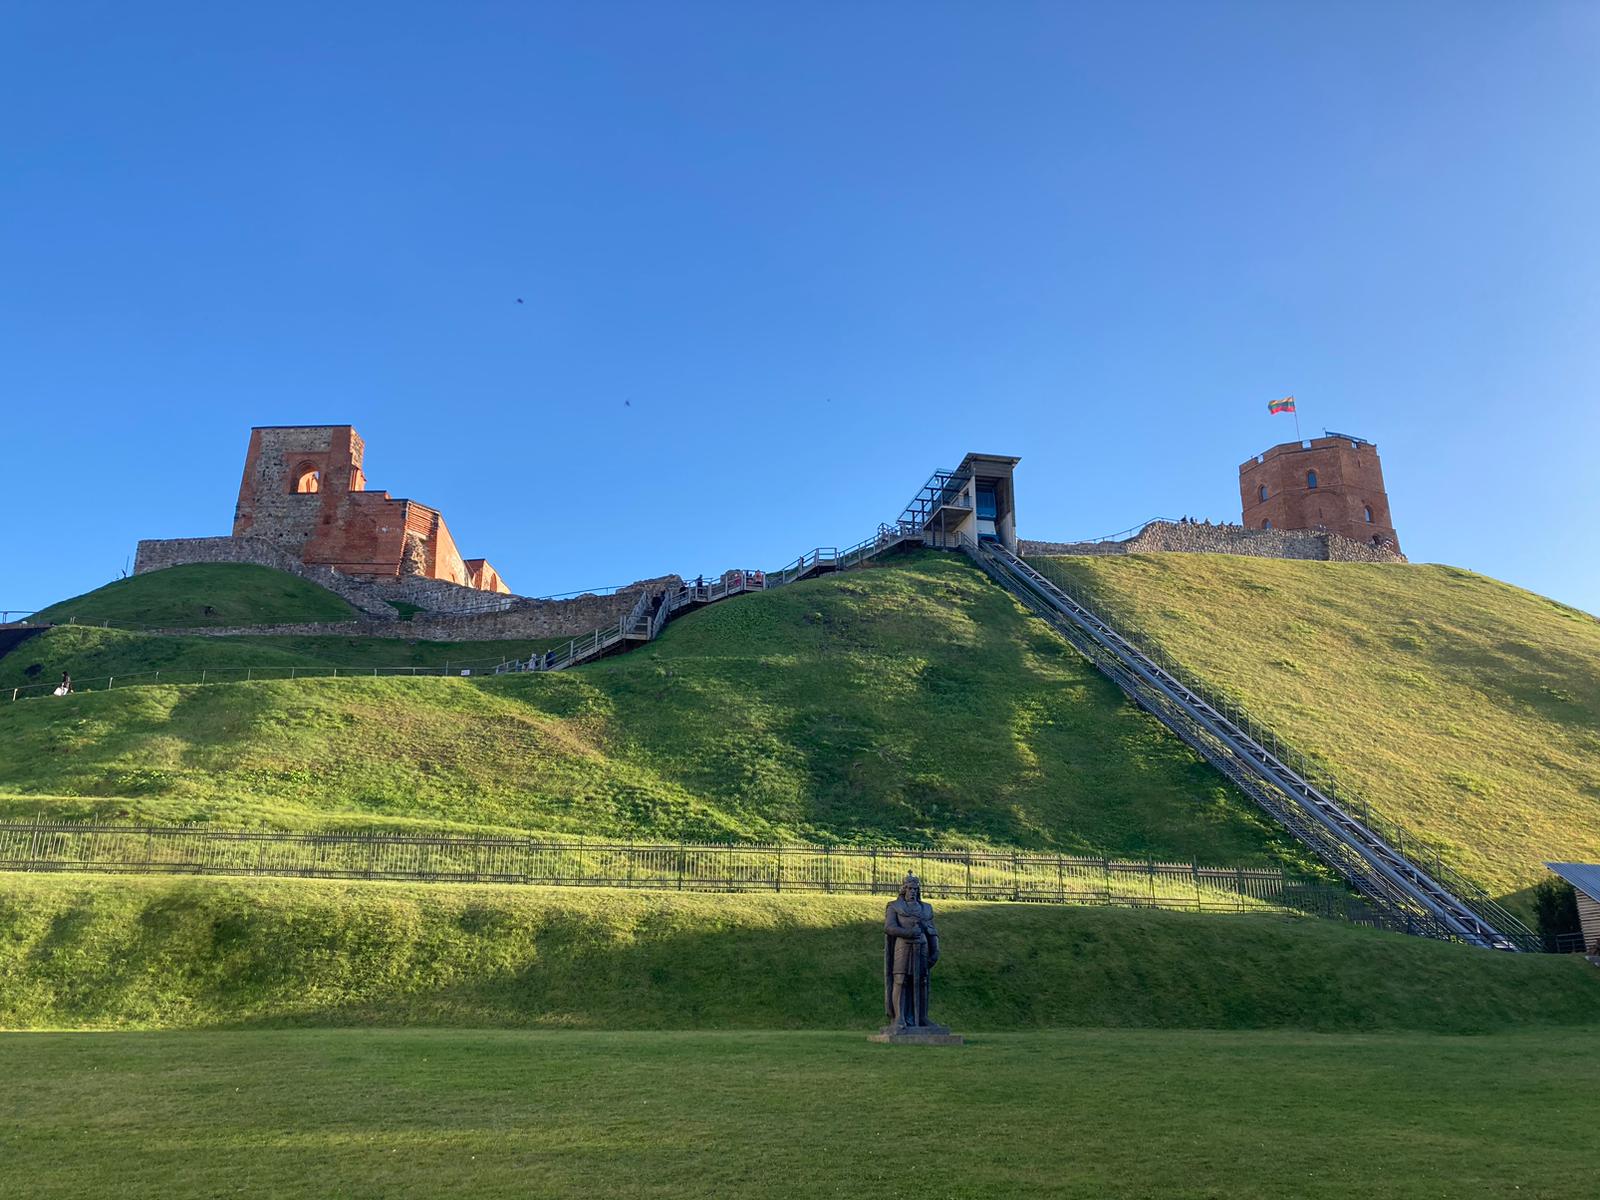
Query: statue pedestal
[917, 1035]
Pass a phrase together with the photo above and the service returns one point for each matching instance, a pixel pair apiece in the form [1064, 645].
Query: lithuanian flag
[1284, 405]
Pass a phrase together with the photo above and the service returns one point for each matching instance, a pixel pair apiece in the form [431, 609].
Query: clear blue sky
[779, 261]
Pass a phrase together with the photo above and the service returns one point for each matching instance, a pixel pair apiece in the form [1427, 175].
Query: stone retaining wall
[1174, 538]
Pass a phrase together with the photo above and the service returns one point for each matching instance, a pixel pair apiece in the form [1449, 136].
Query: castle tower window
[1266, 524]
[307, 479]
[1368, 513]
[1261, 492]
[1311, 479]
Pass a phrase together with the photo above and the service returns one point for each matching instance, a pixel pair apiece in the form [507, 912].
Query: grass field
[203, 594]
[910, 703]
[1092, 1114]
[137, 952]
[1456, 704]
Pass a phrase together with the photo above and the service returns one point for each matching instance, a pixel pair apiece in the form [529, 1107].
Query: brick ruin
[304, 492]
[1321, 500]
[304, 508]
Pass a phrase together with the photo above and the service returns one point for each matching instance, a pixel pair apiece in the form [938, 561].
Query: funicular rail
[1411, 895]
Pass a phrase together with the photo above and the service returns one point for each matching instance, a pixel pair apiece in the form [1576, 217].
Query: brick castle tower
[1332, 483]
[304, 491]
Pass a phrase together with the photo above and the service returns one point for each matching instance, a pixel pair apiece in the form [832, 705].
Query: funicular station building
[975, 500]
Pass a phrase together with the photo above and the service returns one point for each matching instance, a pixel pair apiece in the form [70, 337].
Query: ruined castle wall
[525, 619]
[268, 505]
[1170, 537]
[467, 613]
[339, 524]
[437, 594]
[157, 554]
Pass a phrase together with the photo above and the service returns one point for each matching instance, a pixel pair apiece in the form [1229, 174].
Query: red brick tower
[1332, 483]
[304, 491]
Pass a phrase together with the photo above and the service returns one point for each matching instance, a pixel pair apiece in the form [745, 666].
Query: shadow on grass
[213, 953]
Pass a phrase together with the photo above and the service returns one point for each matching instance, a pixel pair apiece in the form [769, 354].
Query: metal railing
[945, 489]
[1371, 863]
[1569, 943]
[682, 866]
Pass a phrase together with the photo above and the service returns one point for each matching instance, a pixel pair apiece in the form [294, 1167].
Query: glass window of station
[987, 511]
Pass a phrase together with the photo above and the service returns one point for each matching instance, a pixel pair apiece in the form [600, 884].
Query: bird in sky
[519, 299]
[627, 404]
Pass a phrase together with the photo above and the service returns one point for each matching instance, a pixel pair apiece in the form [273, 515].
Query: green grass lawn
[1463, 707]
[912, 702]
[203, 594]
[1091, 1114]
[85, 951]
[97, 658]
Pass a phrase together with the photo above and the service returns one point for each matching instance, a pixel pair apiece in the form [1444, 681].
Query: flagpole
[1297, 436]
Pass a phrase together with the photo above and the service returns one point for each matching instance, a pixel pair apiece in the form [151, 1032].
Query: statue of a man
[910, 949]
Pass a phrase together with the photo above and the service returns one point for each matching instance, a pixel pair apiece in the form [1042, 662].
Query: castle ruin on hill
[304, 491]
[304, 507]
[1333, 484]
[1321, 499]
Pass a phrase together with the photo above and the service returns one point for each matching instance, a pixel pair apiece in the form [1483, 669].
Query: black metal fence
[687, 866]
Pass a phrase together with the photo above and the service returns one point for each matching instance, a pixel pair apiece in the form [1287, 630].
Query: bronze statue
[910, 950]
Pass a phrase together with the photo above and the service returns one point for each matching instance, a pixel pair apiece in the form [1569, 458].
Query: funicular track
[1405, 895]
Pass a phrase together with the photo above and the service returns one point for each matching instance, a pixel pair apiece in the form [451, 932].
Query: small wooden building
[1585, 880]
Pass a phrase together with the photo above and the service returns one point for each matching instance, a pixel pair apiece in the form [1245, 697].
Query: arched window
[1368, 512]
[1311, 479]
[307, 478]
[1261, 492]
[1266, 524]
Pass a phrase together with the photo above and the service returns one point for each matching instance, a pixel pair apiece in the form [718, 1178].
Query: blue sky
[780, 261]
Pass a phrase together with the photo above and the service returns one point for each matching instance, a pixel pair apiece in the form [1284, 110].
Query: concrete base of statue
[917, 1035]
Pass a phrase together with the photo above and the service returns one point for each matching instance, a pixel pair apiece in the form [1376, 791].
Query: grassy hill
[82, 951]
[912, 702]
[95, 656]
[202, 595]
[1459, 705]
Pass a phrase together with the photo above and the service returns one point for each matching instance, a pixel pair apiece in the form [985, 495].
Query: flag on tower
[1281, 406]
